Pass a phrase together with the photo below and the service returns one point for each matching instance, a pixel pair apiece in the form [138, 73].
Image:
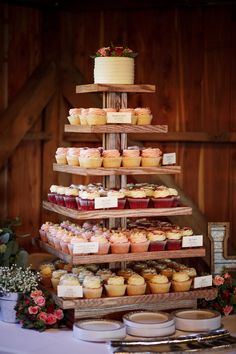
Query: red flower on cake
[113, 51]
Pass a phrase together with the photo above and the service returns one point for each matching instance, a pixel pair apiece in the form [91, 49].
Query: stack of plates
[99, 330]
[197, 320]
[149, 324]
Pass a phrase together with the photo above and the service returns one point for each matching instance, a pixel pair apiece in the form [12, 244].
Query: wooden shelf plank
[109, 258]
[125, 301]
[116, 171]
[115, 213]
[116, 128]
[144, 88]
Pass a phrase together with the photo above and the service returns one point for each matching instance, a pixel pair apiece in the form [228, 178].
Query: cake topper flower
[113, 51]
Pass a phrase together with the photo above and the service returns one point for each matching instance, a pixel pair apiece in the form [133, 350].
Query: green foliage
[10, 251]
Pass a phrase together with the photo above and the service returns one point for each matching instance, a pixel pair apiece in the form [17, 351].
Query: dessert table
[15, 340]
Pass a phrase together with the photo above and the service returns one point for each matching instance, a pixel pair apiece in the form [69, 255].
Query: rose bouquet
[225, 302]
[37, 310]
[113, 51]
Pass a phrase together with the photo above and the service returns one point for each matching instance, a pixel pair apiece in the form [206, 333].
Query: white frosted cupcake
[159, 284]
[92, 287]
[115, 286]
[181, 281]
[136, 285]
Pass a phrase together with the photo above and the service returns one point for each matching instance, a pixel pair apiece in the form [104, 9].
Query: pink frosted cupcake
[73, 242]
[96, 116]
[90, 158]
[157, 240]
[57, 239]
[131, 157]
[119, 243]
[144, 115]
[72, 156]
[151, 157]
[111, 158]
[61, 156]
[103, 243]
[70, 197]
[65, 241]
[138, 241]
[43, 231]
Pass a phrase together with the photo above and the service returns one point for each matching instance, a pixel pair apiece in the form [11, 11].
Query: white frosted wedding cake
[114, 65]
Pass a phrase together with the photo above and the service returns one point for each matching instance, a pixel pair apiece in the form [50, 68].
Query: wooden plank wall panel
[24, 174]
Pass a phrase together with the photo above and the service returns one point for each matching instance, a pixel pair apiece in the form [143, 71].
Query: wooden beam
[38, 136]
[177, 137]
[23, 112]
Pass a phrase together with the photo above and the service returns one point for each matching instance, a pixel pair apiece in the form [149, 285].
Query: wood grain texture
[111, 213]
[119, 303]
[112, 128]
[115, 88]
[116, 171]
[108, 258]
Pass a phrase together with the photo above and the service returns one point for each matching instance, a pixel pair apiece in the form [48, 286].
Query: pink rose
[43, 316]
[104, 51]
[218, 280]
[59, 314]
[51, 319]
[227, 276]
[227, 310]
[36, 293]
[33, 310]
[40, 301]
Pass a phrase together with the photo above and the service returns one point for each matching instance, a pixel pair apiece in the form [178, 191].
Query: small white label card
[105, 202]
[85, 247]
[169, 159]
[70, 291]
[192, 241]
[202, 282]
[119, 117]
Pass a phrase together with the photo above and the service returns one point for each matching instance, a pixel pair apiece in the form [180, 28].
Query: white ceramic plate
[148, 319]
[150, 332]
[99, 330]
[197, 320]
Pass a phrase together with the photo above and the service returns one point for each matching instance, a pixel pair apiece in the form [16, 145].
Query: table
[16, 340]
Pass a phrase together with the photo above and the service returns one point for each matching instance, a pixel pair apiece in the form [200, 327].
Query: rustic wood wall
[188, 52]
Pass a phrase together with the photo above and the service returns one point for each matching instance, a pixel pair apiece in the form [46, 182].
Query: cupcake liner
[157, 246]
[131, 161]
[52, 198]
[90, 162]
[138, 203]
[112, 162]
[173, 244]
[166, 202]
[96, 120]
[72, 160]
[160, 288]
[74, 120]
[86, 204]
[144, 119]
[70, 202]
[64, 247]
[117, 248]
[61, 159]
[181, 286]
[89, 293]
[115, 290]
[139, 247]
[136, 289]
[103, 248]
[150, 161]
[60, 200]
[55, 283]
[43, 235]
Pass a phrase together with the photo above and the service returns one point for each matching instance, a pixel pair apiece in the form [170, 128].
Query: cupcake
[131, 157]
[70, 197]
[192, 273]
[174, 239]
[130, 110]
[148, 273]
[136, 285]
[105, 274]
[86, 199]
[56, 275]
[138, 242]
[121, 200]
[168, 272]
[143, 115]
[74, 116]
[181, 281]
[137, 199]
[84, 273]
[72, 156]
[115, 286]
[186, 231]
[43, 231]
[45, 271]
[60, 196]
[69, 280]
[92, 287]
[83, 116]
[52, 194]
[162, 198]
[119, 243]
[90, 158]
[75, 240]
[126, 273]
[103, 243]
[159, 284]
[111, 158]
[157, 240]
[96, 116]
[65, 241]
[61, 156]
[150, 157]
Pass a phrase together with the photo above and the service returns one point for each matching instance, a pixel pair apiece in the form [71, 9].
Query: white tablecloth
[15, 340]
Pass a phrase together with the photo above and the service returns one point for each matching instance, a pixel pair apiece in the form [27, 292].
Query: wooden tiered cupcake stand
[115, 137]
